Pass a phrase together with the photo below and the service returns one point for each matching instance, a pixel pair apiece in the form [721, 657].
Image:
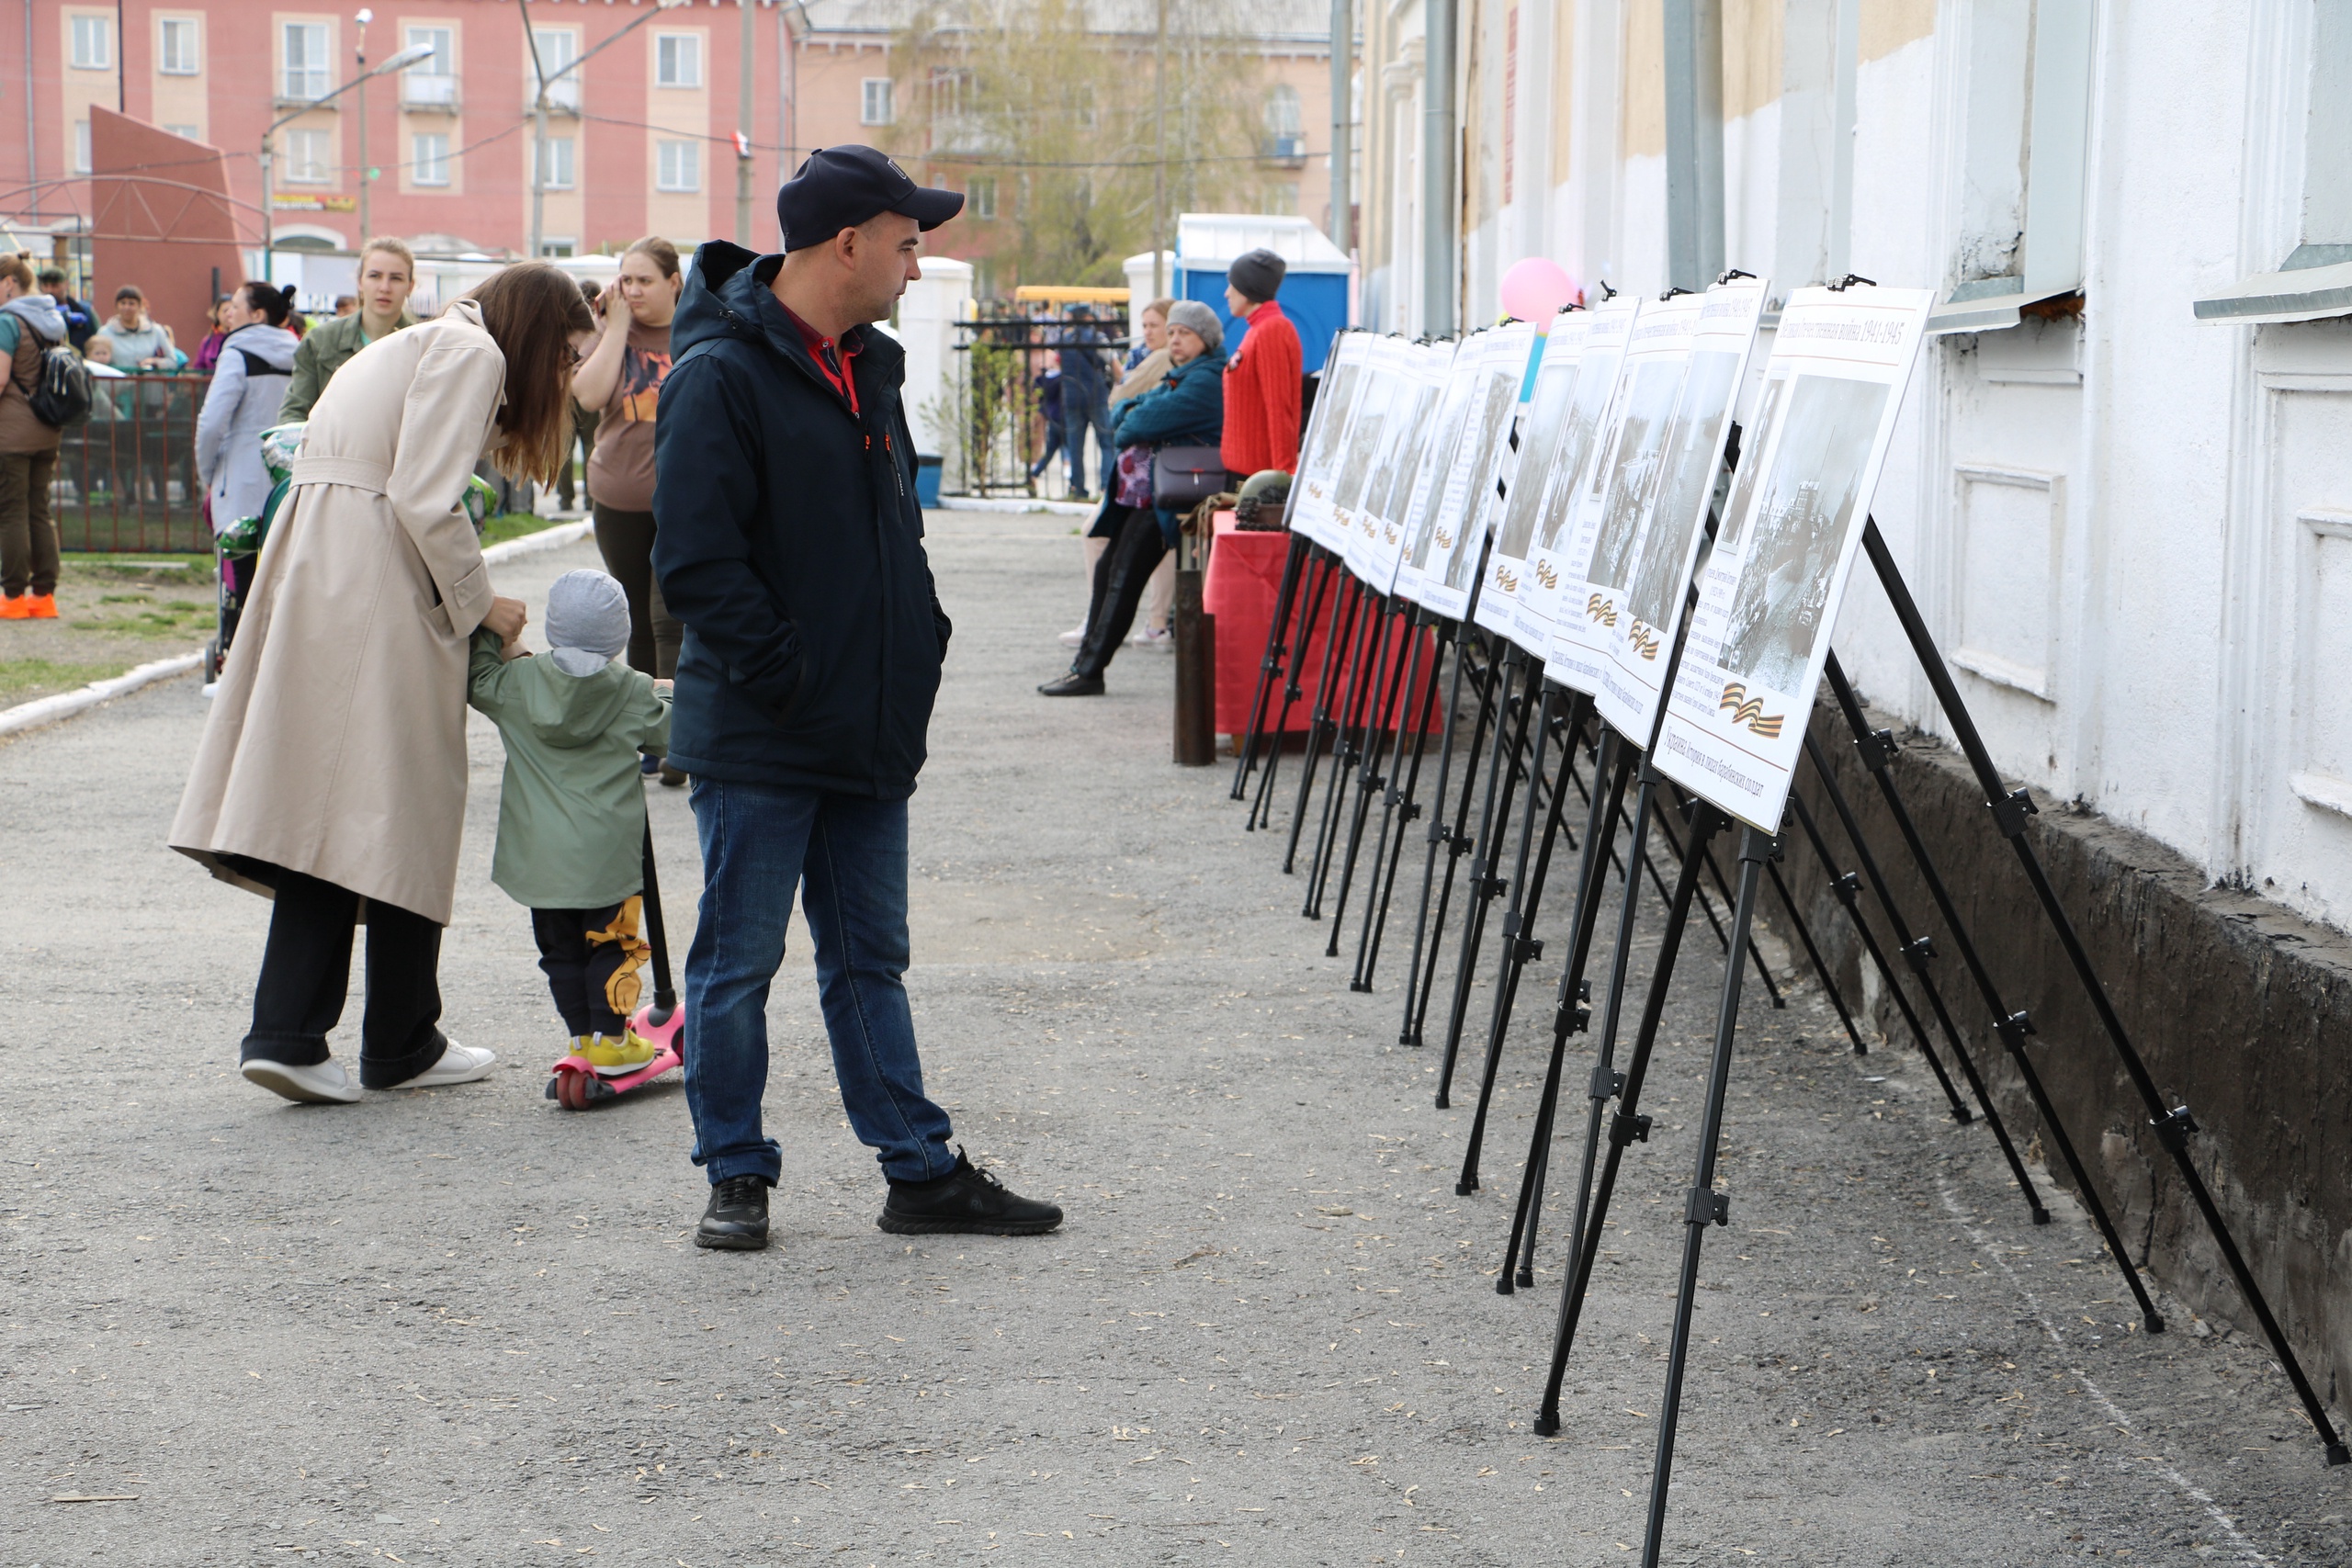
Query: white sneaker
[1072, 637]
[458, 1063]
[325, 1083]
[1160, 637]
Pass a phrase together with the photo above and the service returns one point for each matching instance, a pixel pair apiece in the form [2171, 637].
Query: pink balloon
[1537, 289]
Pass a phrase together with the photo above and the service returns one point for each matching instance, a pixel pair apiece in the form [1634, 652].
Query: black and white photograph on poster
[1327, 434]
[1616, 487]
[1769, 593]
[1797, 526]
[1605, 330]
[1562, 348]
[1465, 506]
[1412, 418]
[1424, 514]
[1369, 448]
[1657, 574]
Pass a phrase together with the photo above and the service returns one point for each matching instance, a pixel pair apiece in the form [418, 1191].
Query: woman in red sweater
[1261, 379]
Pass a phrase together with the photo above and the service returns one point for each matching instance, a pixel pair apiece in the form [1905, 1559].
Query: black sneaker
[1072, 685]
[737, 1219]
[965, 1202]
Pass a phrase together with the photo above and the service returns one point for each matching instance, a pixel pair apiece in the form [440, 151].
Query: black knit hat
[1258, 274]
[840, 187]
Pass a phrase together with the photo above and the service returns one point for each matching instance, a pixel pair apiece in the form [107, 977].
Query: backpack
[61, 394]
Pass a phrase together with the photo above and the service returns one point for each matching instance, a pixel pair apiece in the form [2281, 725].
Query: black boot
[1073, 685]
[737, 1218]
[965, 1202]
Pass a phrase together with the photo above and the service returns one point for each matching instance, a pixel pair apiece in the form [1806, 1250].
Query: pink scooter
[576, 1085]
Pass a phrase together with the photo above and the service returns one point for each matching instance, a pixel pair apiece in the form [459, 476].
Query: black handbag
[1183, 476]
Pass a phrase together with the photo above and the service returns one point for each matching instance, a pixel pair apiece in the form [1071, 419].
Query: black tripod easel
[1271, 666]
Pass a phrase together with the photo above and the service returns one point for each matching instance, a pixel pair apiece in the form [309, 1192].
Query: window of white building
[429, 159]
[2304, 224]
[677, 59]
[873, 104]
[93, 43]
[309, 157]
[554, 162]
[678, 165]
[2024, 160]
[308, 68]
[176, 46]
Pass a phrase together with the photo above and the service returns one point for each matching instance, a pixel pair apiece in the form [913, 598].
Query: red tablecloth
[1245, 576]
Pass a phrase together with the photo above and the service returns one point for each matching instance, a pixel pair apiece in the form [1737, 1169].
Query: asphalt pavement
[465, 1326]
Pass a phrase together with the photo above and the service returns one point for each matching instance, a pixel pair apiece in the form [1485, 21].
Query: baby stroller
[236, 548]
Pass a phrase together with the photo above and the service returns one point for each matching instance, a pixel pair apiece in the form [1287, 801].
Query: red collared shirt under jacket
[1261, 392]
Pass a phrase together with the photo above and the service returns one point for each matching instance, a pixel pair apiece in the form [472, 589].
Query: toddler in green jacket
[572, 806]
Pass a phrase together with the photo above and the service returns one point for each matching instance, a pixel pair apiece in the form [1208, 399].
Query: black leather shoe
[1073, 685]
[737, 1219]
[965, 1202]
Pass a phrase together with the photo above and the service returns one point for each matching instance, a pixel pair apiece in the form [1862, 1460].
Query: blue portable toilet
[1316, 288]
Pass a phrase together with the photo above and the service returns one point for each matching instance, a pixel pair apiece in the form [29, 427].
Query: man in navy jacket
[789, 542]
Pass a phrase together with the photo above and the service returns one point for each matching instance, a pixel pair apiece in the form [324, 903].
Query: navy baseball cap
[840, 187]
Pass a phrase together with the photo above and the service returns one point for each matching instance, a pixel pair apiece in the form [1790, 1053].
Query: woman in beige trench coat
[332, 774]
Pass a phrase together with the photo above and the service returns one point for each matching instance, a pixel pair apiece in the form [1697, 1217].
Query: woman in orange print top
[623, 376]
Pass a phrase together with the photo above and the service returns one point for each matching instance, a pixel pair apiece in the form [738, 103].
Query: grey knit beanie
[1200, 318]
[587, 621]
[1258, 274]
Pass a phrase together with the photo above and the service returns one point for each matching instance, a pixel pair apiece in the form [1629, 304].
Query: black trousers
[1121, 575]
[625, 541]
[591, 958]
[306, 970]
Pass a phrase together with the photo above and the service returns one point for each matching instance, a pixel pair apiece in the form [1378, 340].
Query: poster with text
[1421, 514]
[1365, 461]
[1643, 610]
[1539, 448]
[1582, 436]
[1335, 402]
[1618, 492]
[1412, 419]
[1465, 506]
[1769, 595]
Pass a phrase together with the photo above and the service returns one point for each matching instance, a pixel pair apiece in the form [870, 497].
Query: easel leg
[1319, 725]
[1626, 1126]
[1302, 641]
[1270, 668]
[1354, 737]
[1570, 1012]
[1821, 970]
[1919, 950]
[1705, 1206]
[1380, 720]
[1526, 898]
[1456, 839]
[1485, 885]
[1405, 809]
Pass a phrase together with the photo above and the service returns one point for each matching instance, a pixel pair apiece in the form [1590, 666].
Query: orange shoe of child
[17, 607]
[41, 606]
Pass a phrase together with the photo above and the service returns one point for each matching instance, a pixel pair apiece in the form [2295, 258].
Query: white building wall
[2131, 530]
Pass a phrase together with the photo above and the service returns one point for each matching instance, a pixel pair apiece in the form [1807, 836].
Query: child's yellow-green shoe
[616, 1056]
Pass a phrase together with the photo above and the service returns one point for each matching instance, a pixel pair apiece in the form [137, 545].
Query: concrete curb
[553, 538]
[65, 704]
[1016, 503]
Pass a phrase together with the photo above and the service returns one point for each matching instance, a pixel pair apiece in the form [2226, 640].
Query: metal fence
[126, 481]
[995, 430]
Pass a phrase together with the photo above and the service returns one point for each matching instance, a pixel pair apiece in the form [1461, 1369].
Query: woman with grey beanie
[1186, 410]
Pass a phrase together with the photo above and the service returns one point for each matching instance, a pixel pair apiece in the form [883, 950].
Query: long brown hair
[532, 309]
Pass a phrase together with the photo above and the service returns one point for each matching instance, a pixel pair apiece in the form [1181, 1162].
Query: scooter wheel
[569, 1094]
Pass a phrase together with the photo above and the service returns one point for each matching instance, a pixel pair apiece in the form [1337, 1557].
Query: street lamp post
[366, 227]
[399, 62]
[539, 103]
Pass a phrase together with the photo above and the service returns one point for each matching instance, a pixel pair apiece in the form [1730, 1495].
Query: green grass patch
[508, 525]
[21, 680]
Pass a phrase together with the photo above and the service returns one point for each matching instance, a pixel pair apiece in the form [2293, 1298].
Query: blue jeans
[759, 843]
[1078, 418]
